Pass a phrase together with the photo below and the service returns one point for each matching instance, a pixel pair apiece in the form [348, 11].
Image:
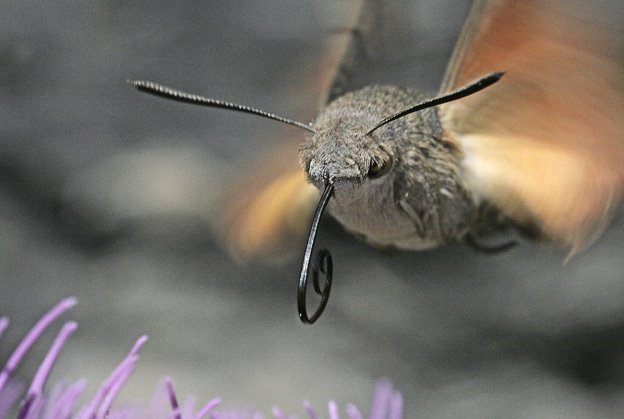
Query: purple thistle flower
[62, 402]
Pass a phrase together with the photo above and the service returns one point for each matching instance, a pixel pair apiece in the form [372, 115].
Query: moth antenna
[467, 90]
[169, 93]
[322, 263]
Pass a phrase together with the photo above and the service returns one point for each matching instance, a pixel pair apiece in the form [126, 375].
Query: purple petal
[4, 323]
[138, 344]
[308, 408]
[278, 413]
[26, 405]
[88, 412]
[115, 388]
[379, 407]
[46, 366]
[35, 392]
[172, 399]
[188, 408]
[396, 406]
[32, 336]
[209, 406]
[353, 412]
[31, 407]
[11, 394]
[52, 399]
[158, 402]
[66, 401]
[332, 410]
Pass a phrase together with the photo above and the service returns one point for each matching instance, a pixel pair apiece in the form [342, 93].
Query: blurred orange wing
[546, 143]
[268, 207]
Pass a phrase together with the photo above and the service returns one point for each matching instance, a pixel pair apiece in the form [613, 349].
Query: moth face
[341, 152]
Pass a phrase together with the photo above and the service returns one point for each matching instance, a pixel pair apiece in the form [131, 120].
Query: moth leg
[470, 240]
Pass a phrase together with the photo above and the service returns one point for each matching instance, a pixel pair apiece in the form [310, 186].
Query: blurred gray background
[111, 195]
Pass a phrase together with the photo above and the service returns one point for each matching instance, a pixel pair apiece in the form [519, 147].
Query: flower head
[63, 401]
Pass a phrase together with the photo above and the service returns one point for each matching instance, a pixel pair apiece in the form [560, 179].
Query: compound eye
[379, 167]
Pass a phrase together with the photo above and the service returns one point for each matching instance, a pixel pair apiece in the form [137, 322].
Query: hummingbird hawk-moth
[526, 131]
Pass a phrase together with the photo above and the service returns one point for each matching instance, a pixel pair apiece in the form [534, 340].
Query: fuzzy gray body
[421, 201]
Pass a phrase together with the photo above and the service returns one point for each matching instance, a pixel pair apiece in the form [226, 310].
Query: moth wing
[268, 208]
[377, 31]
[546, 143]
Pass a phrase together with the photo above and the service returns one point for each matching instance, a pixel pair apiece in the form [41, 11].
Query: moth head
[340, 151]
